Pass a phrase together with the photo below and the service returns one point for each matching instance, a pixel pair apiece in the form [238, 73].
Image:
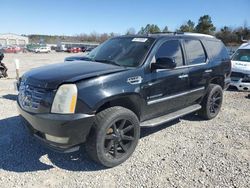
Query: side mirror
[163, 63]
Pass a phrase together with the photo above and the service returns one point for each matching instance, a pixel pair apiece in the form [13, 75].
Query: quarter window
[171, 49]
[217, 50]
[195, 52]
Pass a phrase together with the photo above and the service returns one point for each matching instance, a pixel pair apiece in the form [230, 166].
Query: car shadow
[232, 89]
[193, 117]
[235, 90]
[248, 96]
[10, 97]
[20, 152]
[148, 130]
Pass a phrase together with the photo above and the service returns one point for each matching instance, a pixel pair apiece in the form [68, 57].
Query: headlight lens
[65, 99]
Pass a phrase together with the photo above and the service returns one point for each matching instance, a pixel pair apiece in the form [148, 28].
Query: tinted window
[195, 52]
[171, 49]
[217, 50]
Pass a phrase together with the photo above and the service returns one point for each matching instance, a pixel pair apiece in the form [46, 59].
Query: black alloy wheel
[215, 102]
[119, 138]
[211, 103]
[114, 136]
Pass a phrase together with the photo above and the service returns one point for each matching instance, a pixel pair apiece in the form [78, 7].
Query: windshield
[122, 51]
[242, 55]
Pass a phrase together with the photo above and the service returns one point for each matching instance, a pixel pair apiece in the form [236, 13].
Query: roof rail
[182, 33]
[168, 32]
[198, 34]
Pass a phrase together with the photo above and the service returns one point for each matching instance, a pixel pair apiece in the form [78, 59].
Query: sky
[71, 17]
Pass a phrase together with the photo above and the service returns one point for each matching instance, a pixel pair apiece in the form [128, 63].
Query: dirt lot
[188, 152]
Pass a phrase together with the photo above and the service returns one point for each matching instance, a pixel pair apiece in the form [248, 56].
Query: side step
[171, 116]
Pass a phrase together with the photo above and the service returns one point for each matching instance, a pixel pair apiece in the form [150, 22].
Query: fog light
[61, 140]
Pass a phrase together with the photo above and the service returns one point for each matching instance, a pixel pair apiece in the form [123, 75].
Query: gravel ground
[188, 152]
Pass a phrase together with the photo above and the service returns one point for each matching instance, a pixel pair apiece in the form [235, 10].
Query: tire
[211, 103]
[114, 136]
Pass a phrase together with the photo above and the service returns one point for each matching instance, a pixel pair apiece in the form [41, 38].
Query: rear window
[195, 52]
[217, 50]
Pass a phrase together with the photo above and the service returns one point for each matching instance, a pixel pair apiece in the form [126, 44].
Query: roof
[181, 34]
[245, 45]
[174, 34]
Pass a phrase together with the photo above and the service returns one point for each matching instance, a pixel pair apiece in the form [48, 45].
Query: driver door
[165, 88]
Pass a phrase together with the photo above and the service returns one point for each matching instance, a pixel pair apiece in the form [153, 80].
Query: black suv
[125, 82]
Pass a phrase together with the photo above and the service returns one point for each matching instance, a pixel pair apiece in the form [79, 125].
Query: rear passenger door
[199, 69]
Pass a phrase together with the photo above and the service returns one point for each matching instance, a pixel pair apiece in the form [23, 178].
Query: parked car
[83, 48]
[240, 77]
[42, 49]
[74, 50]
[127, 81]
[32, 47]
[12, 49]
[89, 49]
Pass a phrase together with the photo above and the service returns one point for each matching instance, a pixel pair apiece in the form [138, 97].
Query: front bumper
[240, 85]
[63, 133]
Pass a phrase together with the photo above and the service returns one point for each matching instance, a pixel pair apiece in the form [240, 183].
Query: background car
[240, 76]
[74, 50]
[12, 49]
[89, 49]
[42, 50]
[83, 48]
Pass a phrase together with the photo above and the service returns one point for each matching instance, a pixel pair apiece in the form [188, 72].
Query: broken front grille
[30, 97]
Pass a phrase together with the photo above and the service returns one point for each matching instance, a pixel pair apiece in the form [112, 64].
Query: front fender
[96, 92]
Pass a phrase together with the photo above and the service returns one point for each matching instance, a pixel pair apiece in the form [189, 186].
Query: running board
[171, 116]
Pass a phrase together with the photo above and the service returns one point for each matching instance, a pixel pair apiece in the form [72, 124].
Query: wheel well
[124, 102]
[218, 81]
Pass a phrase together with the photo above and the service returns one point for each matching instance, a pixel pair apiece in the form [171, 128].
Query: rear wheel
[114, 136]
[212, 102]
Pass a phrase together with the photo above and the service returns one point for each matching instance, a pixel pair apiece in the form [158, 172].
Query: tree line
[54, 39]
[229, 35]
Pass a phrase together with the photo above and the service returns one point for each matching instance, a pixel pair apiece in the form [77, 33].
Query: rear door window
[195, 52]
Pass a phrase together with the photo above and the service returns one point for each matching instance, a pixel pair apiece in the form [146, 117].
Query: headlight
[65, 99]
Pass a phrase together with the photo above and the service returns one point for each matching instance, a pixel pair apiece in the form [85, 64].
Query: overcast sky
[69, 17]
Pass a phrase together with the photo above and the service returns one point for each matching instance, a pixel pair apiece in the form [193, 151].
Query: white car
[43, 50]
[240, 77]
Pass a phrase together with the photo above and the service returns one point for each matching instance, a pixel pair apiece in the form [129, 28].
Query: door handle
[183, 76]
[208, 70]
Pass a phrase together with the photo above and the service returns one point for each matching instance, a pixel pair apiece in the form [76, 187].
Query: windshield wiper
[107, 61]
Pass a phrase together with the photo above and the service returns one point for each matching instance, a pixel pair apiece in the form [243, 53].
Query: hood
[241, 66]
[50, 77]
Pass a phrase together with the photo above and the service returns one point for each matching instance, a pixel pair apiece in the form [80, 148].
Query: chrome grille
[30, 97]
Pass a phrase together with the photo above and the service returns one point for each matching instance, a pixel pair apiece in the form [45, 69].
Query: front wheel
[212, 102]
[114, 136]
